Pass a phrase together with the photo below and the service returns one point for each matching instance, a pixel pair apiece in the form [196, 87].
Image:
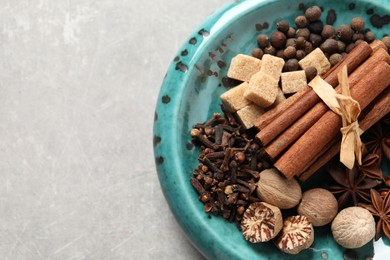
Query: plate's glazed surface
[190, 94]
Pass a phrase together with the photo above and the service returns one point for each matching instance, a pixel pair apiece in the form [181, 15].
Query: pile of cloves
[229, 165]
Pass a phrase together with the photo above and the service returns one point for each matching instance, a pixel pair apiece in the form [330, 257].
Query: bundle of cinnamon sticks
[301, 134]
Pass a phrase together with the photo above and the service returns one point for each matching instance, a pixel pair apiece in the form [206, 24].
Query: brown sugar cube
[234, 98]
[279, 98]
[316, 59]
[262, 90]
[272, 66]
[293, 81]
[248, 114]
[242, 67]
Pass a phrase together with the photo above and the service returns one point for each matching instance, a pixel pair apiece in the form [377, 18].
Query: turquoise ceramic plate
[190, 94]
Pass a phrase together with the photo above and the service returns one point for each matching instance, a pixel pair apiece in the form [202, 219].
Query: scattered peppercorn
[357, 24]
[310, 72]
[278, 39]
[290, 52]
[282, 26]
[257, 53]
[262, 40]
[344, 33]
[313, 13]
[301, 21]
[335, 58]
[328, 32]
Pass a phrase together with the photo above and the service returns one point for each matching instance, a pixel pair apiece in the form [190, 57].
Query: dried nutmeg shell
[319, 206]
[297, 234]
[277, 190]
[261, 222]
[353, 227]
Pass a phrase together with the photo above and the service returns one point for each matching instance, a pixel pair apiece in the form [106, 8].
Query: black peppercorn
[291, 65]
[282, 26]
[357, 24]
[291, 42]
[300, 42]
[262, 40]
[300, 54]
[316, 27]
[335, 58]
[270, 50]
[386, 41]
[344, 33]
[290, 33]
[315, 40]
[301, 21]
[313, 13]
[304, 32]
[369, 36]
[257, 53]
[290, 52]
[278, 39]
[330, 46]
[310, 72]
[328, 32]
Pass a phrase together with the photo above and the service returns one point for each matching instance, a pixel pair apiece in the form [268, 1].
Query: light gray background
[78, 85]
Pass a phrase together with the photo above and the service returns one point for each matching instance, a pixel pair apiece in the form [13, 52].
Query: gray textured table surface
[78, 85]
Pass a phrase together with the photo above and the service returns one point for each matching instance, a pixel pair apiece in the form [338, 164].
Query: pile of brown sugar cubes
[259, 90]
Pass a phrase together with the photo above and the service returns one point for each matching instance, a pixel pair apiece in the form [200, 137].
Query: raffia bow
[349, 110]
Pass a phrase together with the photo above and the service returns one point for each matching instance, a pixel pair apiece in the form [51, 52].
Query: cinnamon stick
[310, 98]
[291, 134]
[370, 116]
[297, 158]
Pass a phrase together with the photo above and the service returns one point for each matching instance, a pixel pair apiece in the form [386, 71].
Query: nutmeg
[277, 190]
[353, 227]
[319, 206]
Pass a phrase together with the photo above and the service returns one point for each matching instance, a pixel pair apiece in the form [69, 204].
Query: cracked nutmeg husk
[261, 222]
[297, 234]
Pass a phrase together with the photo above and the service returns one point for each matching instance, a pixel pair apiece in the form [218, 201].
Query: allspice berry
[319, 206]
[329, 46]
[257, 53]
[280, 53]
[344, 33]
[328, 32]
[335, 58]
[304, 32]
[357, 24]
[340, 46]
[282, 26]
[300, 42]
[310, 72]
[291, 42]
[313, 13]
[315, 40]
[357, 36]
[301, 21]
[300, 54]
[278, 39]
[290, 33]
[350, 47]
[290, 52]
[308, 47]
[270, 50]
[386, 41]
[316, 27]
[262, 40]
[291, 65]
[369, 36]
